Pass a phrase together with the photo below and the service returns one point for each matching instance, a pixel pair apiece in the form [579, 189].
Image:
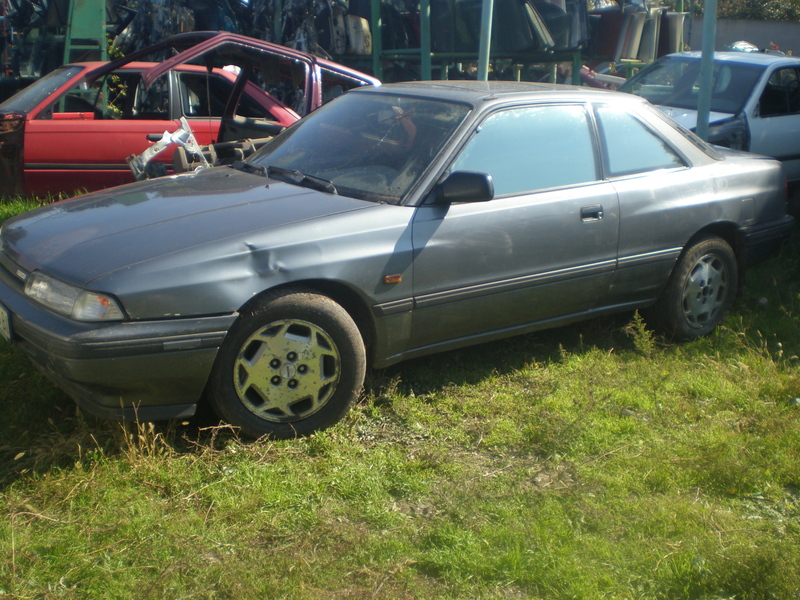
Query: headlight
[74, 302]
[732, 133]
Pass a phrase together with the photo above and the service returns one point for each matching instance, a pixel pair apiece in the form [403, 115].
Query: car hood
[688, 117]
[91, 236]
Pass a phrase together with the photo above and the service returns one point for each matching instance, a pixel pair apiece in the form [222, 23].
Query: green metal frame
[86, 31]
[427, 58]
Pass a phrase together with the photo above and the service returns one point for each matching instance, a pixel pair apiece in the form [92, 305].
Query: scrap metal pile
[30, 30]
[321, 27]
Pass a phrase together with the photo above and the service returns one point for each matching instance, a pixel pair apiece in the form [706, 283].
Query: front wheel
[700, 291]
[291, 366]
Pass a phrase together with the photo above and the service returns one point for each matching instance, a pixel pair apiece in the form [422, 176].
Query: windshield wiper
[298, 178]
[249, 167]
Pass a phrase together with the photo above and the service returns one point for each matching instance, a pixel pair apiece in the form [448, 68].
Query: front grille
[12, 267]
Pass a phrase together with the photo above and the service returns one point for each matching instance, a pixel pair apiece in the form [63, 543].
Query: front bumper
[145, 370]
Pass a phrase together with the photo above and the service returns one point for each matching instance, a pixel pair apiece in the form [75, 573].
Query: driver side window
[84, 101]
[532, 148]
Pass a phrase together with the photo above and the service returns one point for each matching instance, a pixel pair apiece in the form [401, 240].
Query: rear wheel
[700, 291]
[289, 367]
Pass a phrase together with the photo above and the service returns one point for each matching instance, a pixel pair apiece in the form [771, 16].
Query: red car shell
[73, 130]
[72, 150]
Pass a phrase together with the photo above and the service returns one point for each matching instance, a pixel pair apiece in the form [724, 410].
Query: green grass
[13, 206]
[593, 461]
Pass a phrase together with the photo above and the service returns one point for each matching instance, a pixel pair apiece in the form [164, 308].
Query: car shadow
[44, 429]
[473, 364]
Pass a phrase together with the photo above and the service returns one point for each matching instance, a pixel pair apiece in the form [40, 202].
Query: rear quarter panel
[662, 212]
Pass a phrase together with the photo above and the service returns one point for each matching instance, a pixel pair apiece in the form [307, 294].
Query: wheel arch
[729, 232]
[340, 293]
[691, 306]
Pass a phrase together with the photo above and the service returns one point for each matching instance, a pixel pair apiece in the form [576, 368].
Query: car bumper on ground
[148, 370]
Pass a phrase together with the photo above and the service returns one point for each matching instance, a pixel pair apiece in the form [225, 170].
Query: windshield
[29, 98]
[673, 81]
[368, 146]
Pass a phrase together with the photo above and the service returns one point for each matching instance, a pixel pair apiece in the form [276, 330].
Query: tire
[292, 365]
[700, 291]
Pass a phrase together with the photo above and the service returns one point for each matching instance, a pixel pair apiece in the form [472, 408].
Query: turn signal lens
[72, 301]
[91, 306]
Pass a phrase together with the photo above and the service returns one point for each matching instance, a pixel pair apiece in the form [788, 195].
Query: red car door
[80, 141]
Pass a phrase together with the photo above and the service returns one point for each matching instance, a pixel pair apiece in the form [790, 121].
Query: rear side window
[629, 147]
[781, 95]
[205, 95]
[532, 148]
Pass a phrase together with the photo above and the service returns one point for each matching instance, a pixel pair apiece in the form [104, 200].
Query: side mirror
[464, 186]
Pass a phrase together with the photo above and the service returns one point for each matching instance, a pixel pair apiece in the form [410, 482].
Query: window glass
[83, 99]
[118, 95]
[532, 148]
[284, 80]
[335, 84]
[207, 95]
[29, 98]
[152, 102]
[108, 97]
[374, 146]
[630, 147]
[675, 81]
[781, 95]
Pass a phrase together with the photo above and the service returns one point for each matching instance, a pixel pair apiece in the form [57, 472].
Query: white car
[755, 100]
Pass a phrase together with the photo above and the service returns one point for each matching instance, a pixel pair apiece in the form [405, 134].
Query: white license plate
[5, 323]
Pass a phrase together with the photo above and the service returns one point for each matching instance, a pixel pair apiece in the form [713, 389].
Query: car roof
[748, 58]
[474, 92]
[91, 66]
[212, 40]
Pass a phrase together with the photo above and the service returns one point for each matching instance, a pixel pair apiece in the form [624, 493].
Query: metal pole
[706, 67]
[425, 39]
[486, 40]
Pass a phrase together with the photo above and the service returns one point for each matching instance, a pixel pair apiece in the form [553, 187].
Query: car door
[775, 126]
[81, 140]
[661, 200]
[116, 116]
[544, 247]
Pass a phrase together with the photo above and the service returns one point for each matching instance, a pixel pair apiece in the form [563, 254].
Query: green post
[706, 67]
[86, 31]
[425, 38]
[577, 63]
[377, 40]
[485, 43]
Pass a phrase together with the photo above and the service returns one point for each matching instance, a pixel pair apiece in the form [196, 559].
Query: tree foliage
[755, 10]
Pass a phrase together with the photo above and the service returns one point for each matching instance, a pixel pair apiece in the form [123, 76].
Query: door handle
[154, 137]
[592, 213]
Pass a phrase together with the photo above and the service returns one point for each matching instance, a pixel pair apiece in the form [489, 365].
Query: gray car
[392, 223]
[755, 100]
